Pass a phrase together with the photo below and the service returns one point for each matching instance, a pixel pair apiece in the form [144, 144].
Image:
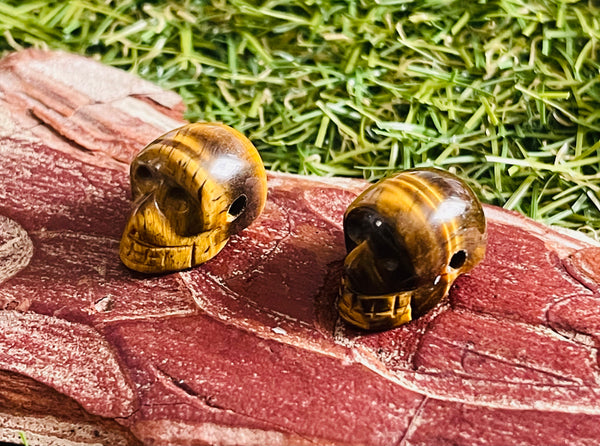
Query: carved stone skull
[192, 188]
[408, 238]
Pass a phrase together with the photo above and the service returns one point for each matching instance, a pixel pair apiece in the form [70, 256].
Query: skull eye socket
[367, 224]
[238, 206]
[178, 198]
[143, 173]
[176, 193]
[389, 267]
[360, 225]
[142, 180]
[458, 259]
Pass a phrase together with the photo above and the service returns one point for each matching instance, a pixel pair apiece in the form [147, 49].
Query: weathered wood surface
[248, 348]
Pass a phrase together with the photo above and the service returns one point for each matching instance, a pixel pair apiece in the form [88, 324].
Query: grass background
[504, 93]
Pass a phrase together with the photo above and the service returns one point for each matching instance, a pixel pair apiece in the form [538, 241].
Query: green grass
[505, 93]
[23, 438]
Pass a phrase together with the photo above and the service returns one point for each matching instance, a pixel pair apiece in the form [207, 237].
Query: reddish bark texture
[248, 348]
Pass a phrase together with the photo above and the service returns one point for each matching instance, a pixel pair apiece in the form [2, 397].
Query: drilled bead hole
[238, 206]
[458, 259]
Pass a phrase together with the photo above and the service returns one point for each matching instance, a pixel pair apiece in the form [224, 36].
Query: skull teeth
[376, 311]
[380, 306]
[144, 257]
[398, 306]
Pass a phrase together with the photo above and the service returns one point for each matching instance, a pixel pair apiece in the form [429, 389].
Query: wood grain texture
[248, 348]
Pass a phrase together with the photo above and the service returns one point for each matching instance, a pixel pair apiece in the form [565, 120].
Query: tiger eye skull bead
[192, 188]
[408, 237]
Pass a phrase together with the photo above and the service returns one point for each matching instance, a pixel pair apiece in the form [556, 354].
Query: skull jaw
[375, 312]
[146, 257]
